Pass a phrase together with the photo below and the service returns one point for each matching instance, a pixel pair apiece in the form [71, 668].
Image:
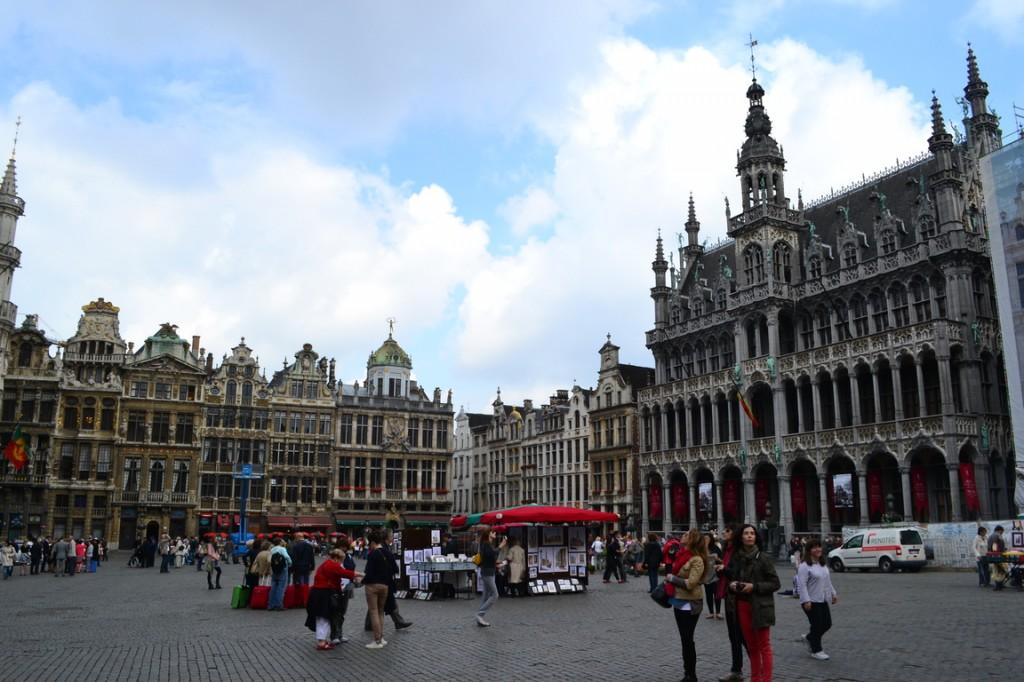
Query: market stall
[554, 539]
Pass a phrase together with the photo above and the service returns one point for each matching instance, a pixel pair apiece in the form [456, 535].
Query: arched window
[888, 241]
[859, 310]
[25, 354]
[806, 331]
[697, 304]
[879, 310]
[247, 393]
[1019, 230]
[753, 262]
[677, 365]
[842, 314]
[720, 300]
[156, 476]
[824, 326]
[927, 227]
[978, 291]
[814, 267]
[900, 310]
[702, 362]
[688, 360]
[725, 344]
[232, 393]
[938, 283]
[783, 270]
[922, 302]
[713, 354]
[849, 255]
[674, 317]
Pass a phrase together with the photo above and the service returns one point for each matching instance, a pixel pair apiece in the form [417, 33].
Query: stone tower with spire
[983, 133]
[12, 207]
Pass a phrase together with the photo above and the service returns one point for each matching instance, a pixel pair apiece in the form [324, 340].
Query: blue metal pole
[241, 523]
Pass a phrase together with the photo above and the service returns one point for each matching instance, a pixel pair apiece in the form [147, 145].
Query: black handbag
[660, 596]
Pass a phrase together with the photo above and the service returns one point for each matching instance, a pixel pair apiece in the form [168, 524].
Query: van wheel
[885, 564]
[837, 565]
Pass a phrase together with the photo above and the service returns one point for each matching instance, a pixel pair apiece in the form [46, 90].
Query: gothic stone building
[861, 331]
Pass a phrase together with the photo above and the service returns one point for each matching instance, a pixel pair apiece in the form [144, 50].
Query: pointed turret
[693, 248]
[12, 207]
[660, 292]
[982, 127]
[760, 164]
[946, 181]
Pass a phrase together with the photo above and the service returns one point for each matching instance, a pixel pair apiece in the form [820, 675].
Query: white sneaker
[820, 655]
[482, 623]
[375, 645]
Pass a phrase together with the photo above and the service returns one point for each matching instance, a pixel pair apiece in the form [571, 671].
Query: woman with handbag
[685, 589]
[212, 564]
[488, 566]
[753, 581]
[326, 584]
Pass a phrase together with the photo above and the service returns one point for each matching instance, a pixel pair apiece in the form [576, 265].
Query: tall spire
[9, 185]
[983, 131]
[938, 123]
[659, 251]
[692, 227]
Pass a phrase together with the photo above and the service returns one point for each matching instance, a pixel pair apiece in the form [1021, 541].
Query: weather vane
[751, 45]
[391, 326]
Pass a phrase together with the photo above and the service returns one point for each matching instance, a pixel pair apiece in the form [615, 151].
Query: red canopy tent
[545, 514]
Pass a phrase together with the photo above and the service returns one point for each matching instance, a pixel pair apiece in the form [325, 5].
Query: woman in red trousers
[753, 581]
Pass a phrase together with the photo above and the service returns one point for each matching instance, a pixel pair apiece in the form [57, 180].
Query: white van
[887, 549]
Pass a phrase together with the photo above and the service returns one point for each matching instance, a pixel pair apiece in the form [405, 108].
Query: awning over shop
[536, 514]
[299, 521]
[356, 522]
[426, 520]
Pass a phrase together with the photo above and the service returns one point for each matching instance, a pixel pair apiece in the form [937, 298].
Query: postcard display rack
[556, 558]
[417, 548]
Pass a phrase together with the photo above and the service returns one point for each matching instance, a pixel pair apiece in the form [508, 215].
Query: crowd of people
[65, 557]
[735, 580]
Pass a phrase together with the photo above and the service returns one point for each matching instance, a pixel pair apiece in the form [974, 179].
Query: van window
[910, 537]
[855, 542]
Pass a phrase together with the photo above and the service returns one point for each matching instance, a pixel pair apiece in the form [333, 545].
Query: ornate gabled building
[299, 473]
[614, 437]
[469, 474]
[29, 405]
[859, 330]
[394, 446]
[236, 432]
[522, 454]
[161, 411]
[85, 437]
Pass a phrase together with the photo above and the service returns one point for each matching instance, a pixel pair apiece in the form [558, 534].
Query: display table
[460, 576]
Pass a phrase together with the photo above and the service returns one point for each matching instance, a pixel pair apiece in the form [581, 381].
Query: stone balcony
[8, 313]
[146, 497]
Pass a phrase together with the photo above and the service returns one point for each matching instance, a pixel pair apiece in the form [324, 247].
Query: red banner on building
[875, 500]
[798, 493]
[919, 489]
[761, 497]
[970, 486]
[731, 498]
[680, 501]
[654, 501]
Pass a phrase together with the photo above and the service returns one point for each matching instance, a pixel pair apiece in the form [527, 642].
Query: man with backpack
[280, 563]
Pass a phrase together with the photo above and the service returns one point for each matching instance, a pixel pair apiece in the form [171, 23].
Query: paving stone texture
[138, 624]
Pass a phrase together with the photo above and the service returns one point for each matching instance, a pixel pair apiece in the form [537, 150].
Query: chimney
[209, 363]
[195, 344]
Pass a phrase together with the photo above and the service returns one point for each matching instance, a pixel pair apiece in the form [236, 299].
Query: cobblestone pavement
[132, 624]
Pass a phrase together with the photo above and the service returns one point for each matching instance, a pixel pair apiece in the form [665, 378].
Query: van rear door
[912, 545]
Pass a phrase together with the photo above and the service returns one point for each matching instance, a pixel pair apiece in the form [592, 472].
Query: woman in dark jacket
[730, 541]
[488, 567]
[652, 559]
[379, 574]
[754, 582]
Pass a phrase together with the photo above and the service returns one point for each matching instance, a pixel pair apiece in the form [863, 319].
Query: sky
[492, 176]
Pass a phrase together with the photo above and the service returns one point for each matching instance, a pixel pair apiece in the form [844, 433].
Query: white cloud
[1005, 18]
[270, 244]
[654, 126]
[532, 209]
